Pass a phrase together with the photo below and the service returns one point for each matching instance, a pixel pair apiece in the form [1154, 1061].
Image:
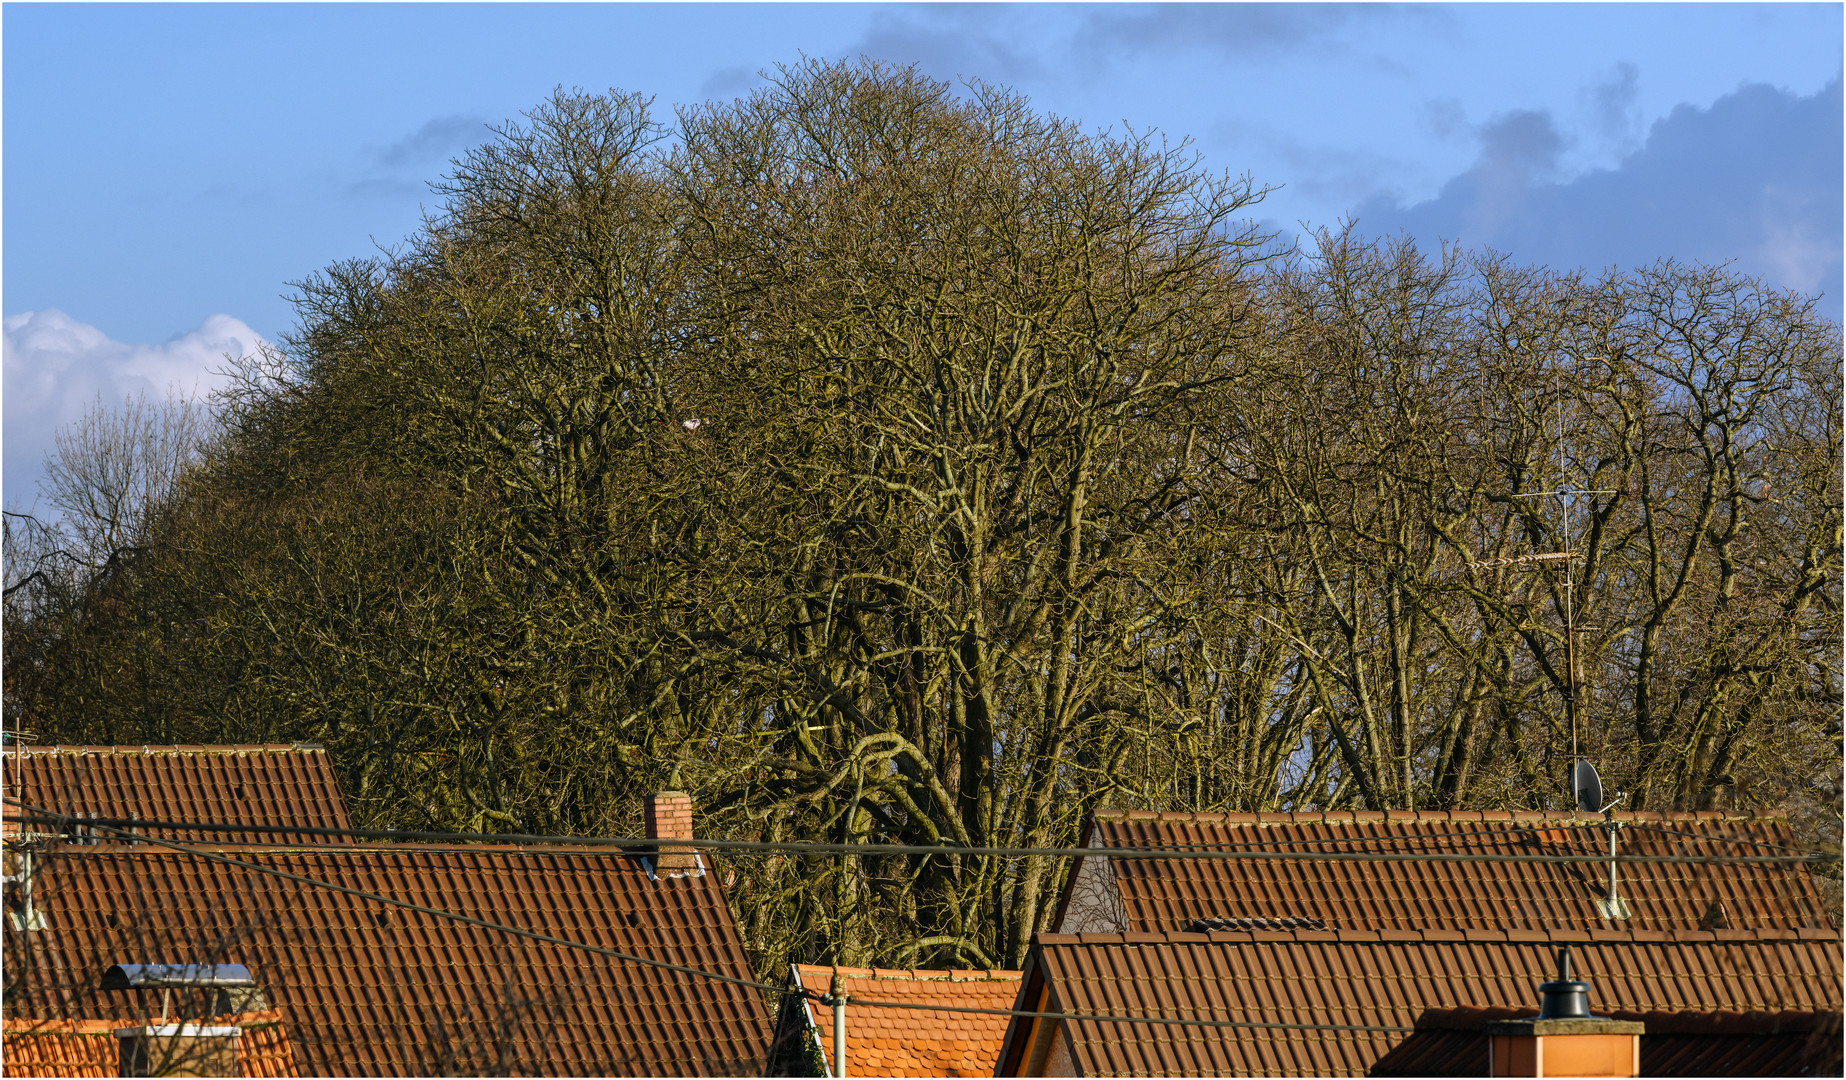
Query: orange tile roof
[60, 1048]
[89, 1048]
[1171, 894]
[1382, 978]
[225, 785]
[887, 1041]
[371, 989]
[1453, 1042]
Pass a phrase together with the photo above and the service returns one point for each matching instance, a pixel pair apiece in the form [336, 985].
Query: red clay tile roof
[1170, 894]
[234, 785]
[89, 1047]
[369, 989]
[60, 1048]
[1452, 1042]
[912, 1042]
[1381, 978]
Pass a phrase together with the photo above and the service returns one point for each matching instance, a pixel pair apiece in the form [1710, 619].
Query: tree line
[883, 463]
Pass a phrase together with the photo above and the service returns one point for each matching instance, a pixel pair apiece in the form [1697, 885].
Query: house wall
[1059, 1062]
[1095, 905]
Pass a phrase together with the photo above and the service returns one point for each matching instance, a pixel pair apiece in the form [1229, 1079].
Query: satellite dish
[1586, 786]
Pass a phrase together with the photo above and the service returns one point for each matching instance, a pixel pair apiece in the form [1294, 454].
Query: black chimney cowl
[1567, 998]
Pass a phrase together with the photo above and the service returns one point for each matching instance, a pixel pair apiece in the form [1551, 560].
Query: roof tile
[1389, 983]
[420, 993]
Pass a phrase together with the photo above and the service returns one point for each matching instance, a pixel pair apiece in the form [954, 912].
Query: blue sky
[168, 168]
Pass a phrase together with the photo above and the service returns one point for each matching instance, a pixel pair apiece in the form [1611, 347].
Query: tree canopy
[884, 463]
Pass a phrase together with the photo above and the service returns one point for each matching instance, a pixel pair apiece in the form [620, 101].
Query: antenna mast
[1565, 558]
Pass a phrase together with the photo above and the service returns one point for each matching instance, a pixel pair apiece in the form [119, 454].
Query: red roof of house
[1453, 1042]
[372, 989]
[897, 1041]
[1371, 979]
[225, 785]
[89, 1047]
[1171, 894]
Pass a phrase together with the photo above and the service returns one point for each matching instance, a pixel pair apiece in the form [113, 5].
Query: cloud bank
[1754, 180]
[55, 368]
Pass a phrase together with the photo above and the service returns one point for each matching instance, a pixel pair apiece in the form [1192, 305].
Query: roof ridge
[1347, 817]
[27, 750]
[945, 975]
[1437, 936]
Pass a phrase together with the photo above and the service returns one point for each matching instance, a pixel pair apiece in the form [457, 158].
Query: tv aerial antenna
[1563, 561]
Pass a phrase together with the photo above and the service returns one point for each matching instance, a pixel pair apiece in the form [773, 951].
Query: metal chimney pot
[1566, 998]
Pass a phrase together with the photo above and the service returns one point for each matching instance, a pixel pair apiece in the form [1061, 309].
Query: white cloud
[57, 367]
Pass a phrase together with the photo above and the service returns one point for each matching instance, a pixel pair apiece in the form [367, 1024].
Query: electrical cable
[699, 972]
[716, 976]
[438, 912]
[1724, 839]
[40, 816]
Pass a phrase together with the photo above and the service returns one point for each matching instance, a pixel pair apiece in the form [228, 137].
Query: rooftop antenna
[1563, 560]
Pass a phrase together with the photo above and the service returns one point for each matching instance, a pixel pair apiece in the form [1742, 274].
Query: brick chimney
[1565, 1039]
[669, 817]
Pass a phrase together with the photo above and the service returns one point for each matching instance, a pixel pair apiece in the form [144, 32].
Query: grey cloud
[1613, 102]
[1445, 116]
[1231, 28]
[1754, 180]
[951, 41]
[434, 141]
[1523, 144]
[728, 82]
[1030, 42]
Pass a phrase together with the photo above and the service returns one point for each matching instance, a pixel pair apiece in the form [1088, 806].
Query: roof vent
[169, 976]
[1206, 926]
[1566, 998]
[233, 990]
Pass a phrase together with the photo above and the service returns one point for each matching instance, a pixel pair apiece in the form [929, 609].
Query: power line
[1101, 1019]
[40, 816]
[1723, 839]
[719, 977]
[440, 913]
[701, 973]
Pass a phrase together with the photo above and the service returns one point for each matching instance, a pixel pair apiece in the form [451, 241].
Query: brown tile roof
[235, 785]
[1452, 1042]
[1170, 894]
[886, 1041]
[1382, 978]
[89, 1047]
[371, 989]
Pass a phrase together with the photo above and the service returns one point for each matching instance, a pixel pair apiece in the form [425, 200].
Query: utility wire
[441, 914]
[715, 976]
[40, 816]
[1101, 1019]
[1725, 839]
[718, 977]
